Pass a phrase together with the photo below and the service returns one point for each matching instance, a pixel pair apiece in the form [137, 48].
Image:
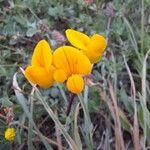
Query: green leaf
[31, 31]
[125, 122]
[6, 102]
[23, 102]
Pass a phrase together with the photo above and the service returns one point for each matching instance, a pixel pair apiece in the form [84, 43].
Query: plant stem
[58, 135]
[70, 101]
[47, 139]
[22, 101]
[142, 26]
[144, 96]
[62, 92]
[88, 124]
[133, 39]
[30, 133]
[57, 122]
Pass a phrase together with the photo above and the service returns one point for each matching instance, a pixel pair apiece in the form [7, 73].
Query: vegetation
[113, 111]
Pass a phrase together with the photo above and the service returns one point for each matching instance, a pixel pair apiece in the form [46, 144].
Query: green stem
[86, 90]
[144, 95]
[133, 39]
[22, 101]
[88, 124]
[57, 122]
[142, 26]
[30, 133]
[84, 107]
[62, 92]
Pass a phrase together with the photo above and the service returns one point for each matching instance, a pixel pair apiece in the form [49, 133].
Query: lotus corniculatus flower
[93, 47]
[70, 65]
[41, 71]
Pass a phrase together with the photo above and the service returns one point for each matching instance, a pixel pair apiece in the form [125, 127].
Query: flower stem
[62, 92]
[88, 124]
[70, 101]
[57, 122]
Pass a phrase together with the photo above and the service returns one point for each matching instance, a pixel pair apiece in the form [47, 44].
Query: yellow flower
[93, 47]
[10, 134]
[71, 64]
[41, 71]
[75, 84]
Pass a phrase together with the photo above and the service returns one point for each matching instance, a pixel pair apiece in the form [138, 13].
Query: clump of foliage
[118, 94]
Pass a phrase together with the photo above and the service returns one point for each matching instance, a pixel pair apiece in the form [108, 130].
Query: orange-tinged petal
[96, 58]
[60, 60]
[71, 60]
[77, 39]
[97, 43]
[75, 84]
[42, 55]
[60, 75]
[92, 47]
[40, 76]
[95, 48]
[84, 65]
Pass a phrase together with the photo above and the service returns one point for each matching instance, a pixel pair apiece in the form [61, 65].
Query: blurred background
[125, 24]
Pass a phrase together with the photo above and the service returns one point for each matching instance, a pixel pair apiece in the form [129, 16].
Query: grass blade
[118, 131]
[136, 138]
[88, 123]
[57, 122]
[76, 132]
[144, 96]
[22, 101]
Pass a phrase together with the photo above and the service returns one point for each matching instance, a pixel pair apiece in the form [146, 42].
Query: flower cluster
[67, 64]
[10, 134]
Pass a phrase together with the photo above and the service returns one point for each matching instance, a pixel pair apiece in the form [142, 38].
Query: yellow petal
[60, 75]
[71, 60]
[77, 39]
[97, 43]
[10, 134]
[42, 55]
[96, 59]
[40, 76]
[84, 65]
[60, 60]
[75, 84]
[95, 47]
[94, 56]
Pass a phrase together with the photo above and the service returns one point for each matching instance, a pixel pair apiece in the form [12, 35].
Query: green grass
[113, 112]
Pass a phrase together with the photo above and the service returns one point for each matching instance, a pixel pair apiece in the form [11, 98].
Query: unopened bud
[58, 37]
[110, 9]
